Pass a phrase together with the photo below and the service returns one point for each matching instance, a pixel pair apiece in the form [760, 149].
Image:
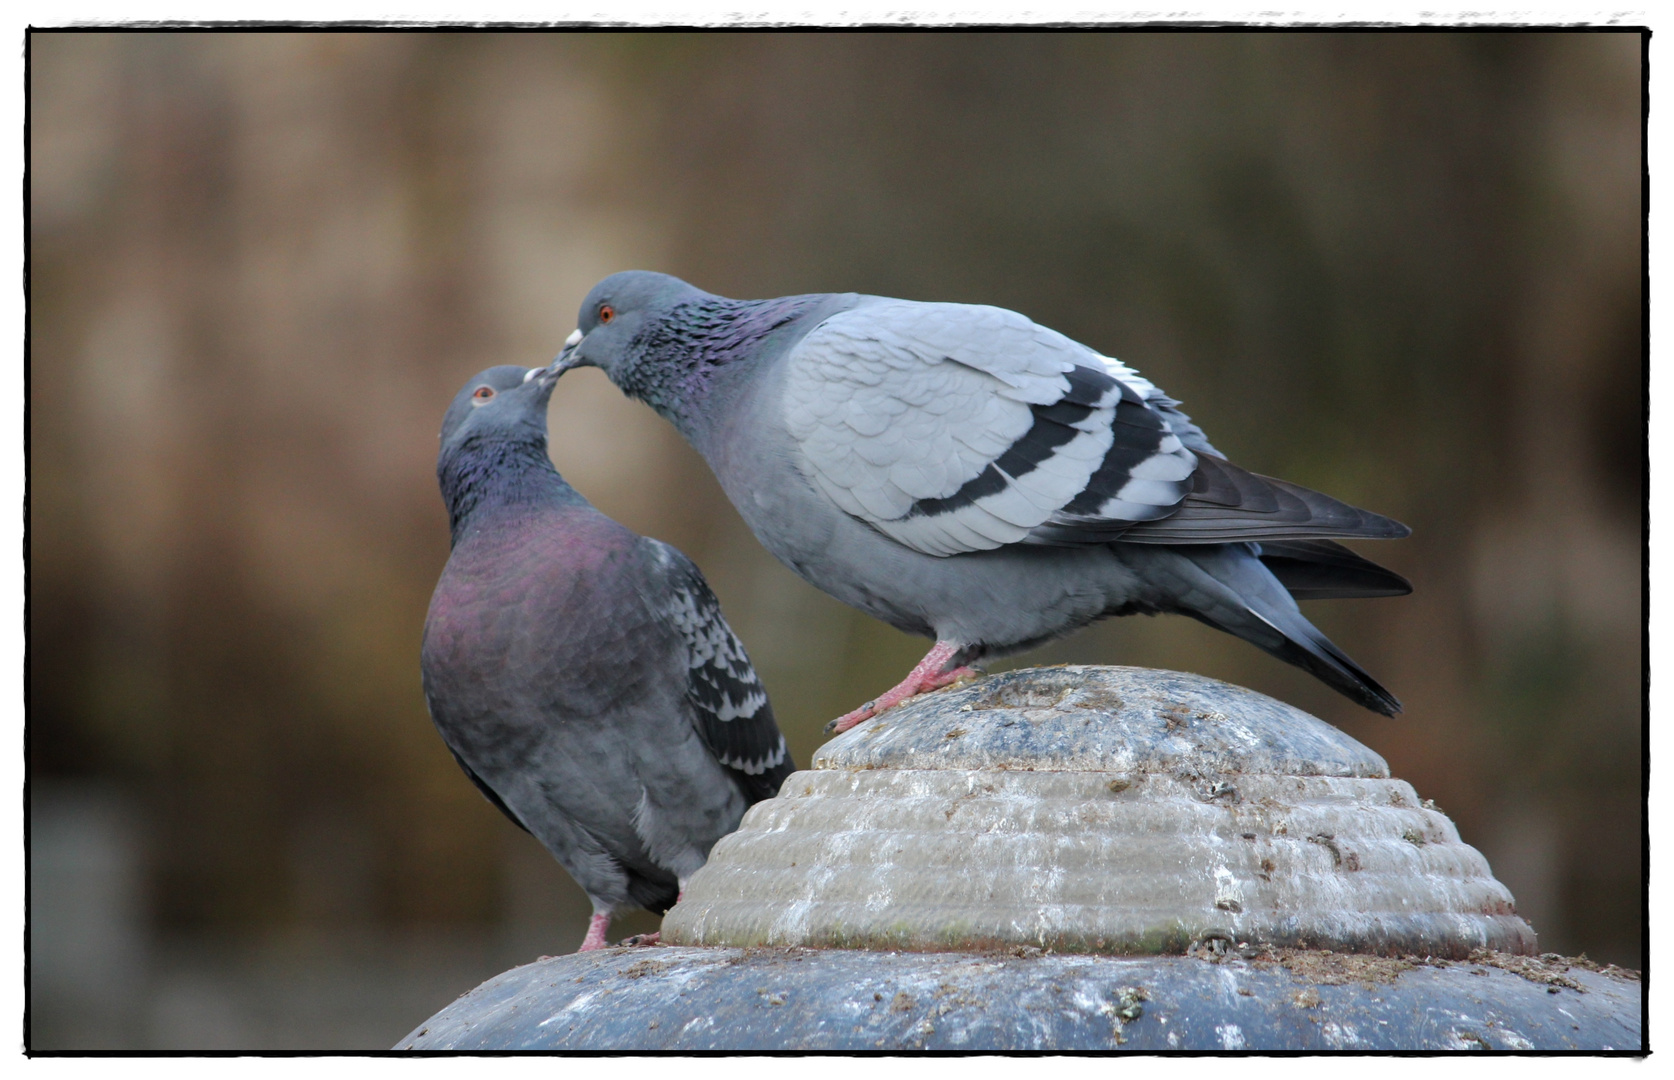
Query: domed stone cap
[1097, 809]
[1101, 719]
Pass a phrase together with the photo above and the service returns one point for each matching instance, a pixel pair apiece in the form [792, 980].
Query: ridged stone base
[1098, 809]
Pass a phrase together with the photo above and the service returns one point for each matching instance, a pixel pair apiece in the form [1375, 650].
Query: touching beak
[567, 358]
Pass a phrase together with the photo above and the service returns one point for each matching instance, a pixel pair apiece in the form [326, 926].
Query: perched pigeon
[583, 675]
[963, 473]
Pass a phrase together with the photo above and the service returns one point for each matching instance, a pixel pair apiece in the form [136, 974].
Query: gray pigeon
[965, 474]
[581, 674]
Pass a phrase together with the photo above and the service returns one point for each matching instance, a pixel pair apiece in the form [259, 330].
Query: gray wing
[489, 793]
[1227, 504]
[730, 707]
[954, 428]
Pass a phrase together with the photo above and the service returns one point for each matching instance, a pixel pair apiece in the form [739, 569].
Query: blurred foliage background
[1403, 268]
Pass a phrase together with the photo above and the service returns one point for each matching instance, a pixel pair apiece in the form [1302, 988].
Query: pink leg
[928, 675]
[596, 929]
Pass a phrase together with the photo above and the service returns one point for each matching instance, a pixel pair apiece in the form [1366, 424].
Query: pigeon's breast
[541, 614]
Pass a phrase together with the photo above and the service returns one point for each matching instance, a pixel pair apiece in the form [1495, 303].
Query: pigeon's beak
[568, 358]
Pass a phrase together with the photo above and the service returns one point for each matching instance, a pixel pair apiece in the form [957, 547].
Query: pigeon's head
[501, 403]
[614, 314]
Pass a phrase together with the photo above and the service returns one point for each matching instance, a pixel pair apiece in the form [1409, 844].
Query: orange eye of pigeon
[606, 313]
[483, 393]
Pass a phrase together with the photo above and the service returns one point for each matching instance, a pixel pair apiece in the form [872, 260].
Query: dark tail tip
[1334, 667]
[1380, 700]
[1388, 528]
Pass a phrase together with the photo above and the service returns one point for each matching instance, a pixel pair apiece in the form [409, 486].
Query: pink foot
[927, 676]
[595, 938]
[655, 937]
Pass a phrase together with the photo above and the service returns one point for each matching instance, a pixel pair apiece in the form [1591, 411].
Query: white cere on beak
[575, 336]
[531, 373]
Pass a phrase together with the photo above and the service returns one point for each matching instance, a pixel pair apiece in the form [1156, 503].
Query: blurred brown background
[1403, 268]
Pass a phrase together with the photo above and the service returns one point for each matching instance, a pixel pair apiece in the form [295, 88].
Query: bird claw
[655, 937]
[849, 720]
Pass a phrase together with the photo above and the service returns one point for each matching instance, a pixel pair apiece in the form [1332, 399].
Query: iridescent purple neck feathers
[672, 363]
[480, 476]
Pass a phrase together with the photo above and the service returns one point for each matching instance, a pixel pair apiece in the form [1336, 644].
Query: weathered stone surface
[1097, 809]
[1101, 719]
[688, 999]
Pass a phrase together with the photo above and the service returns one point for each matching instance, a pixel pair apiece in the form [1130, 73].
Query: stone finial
[1098, 809]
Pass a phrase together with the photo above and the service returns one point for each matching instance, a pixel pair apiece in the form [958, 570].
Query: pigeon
[581, 674]
[968, 475]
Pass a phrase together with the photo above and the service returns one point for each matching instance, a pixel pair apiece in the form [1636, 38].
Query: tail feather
[1323, 570]
[1314, 653]
[1229, 588]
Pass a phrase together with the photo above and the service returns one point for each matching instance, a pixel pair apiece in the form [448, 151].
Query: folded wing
[953, 428]
[729, 706]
